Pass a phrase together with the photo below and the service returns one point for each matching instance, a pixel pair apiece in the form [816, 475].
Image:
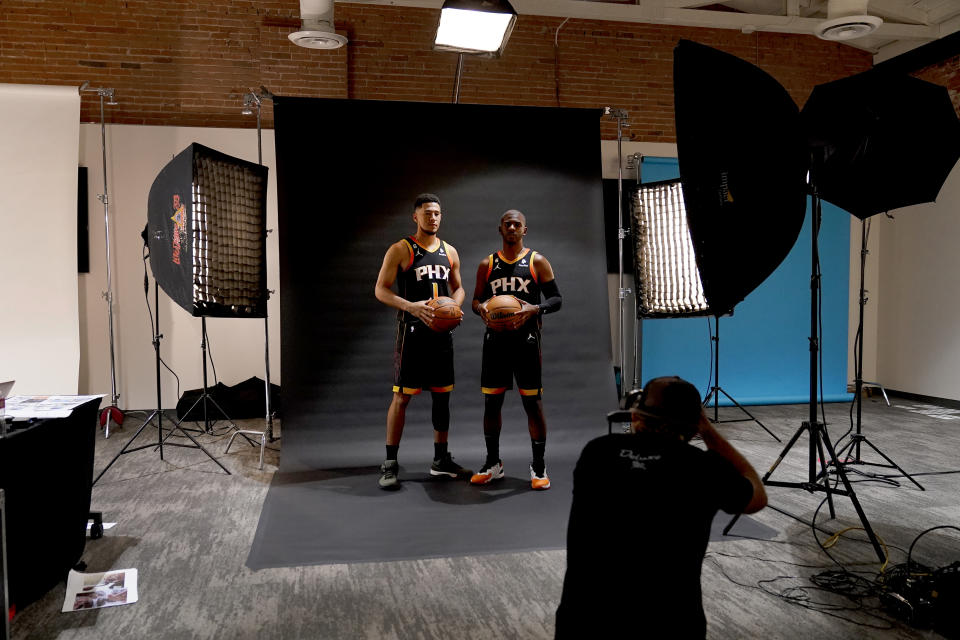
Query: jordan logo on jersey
[432, 272]
[512, 284]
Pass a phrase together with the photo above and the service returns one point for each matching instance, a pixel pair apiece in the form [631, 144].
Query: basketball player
[515, 350]
[424, 267]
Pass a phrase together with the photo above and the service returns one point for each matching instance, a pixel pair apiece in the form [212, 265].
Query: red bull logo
[179, 227]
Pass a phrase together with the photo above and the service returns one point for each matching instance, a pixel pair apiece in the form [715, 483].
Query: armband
[552, 298]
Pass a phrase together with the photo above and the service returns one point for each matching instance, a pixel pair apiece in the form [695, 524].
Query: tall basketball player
[515, 350]
[424, 267]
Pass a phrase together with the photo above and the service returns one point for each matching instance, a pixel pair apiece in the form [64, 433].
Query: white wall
[39, 345]
[135, 155]
[918, 342]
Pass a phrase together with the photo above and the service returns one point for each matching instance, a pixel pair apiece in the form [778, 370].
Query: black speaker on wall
[83, 223]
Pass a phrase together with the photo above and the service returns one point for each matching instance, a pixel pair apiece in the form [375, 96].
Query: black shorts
[423, 359]
[509, 354]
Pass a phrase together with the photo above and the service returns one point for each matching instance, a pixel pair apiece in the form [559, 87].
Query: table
[46, 472]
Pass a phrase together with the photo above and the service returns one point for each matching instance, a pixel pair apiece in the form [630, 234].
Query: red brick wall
[174, 62]
[946, 73]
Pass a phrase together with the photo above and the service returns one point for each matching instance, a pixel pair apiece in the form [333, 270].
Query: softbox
[881, 141]
[743, 164]
[206, 228]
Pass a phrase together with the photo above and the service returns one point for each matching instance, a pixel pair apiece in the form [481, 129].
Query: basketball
[447, 313]
[500, 309]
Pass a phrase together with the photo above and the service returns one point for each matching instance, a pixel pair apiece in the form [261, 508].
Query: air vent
[848, 27]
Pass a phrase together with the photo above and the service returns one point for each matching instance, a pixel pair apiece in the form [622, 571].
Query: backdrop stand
[112, 412]
[158, 412]
[250, 101]
[622, 292]
[716, 389]
[857, 439]
[817, 431]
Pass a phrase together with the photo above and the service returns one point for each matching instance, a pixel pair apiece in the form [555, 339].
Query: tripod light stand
[721, 173]
[158, 412]
[858, 438]
[716, 389]
[209, 256]
[859, 127]
[819, 439]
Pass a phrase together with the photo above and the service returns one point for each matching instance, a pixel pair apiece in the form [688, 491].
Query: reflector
[206, 225]
[743, 165]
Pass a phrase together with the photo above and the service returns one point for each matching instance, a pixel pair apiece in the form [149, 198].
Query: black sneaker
[388, 475]
[445, 466]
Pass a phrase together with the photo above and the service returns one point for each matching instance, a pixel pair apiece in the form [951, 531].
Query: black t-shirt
[638, 530]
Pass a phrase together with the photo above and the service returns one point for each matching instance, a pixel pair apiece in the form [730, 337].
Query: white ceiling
[907, 24]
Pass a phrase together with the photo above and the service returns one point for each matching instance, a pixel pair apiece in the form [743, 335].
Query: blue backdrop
[764, 346]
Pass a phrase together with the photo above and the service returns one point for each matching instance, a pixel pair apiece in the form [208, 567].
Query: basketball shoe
[388, 475]
[539, 481]
[445, 466]
[488, 473]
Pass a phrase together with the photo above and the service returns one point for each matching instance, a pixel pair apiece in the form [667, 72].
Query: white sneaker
[488, 474]
[539, 482]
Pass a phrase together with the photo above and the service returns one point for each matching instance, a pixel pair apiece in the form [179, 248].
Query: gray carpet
[187, 527]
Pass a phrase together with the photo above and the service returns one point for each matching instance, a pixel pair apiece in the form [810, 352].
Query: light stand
[158, 412]
[856, 439]
[112, 412]
[622, 292]
[251, 101]
[637, 321]
[716, 389]
[257, 99]
[819, 439]
[205, 397]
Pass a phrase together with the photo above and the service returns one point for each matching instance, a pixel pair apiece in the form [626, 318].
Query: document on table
[21, 407]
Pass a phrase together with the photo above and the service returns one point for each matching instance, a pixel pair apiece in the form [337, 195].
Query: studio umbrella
[880, 141]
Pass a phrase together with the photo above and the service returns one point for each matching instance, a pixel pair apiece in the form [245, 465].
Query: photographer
[643, 503]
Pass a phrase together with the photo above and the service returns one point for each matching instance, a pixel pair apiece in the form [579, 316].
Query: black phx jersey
[517, 278]
[424, 275]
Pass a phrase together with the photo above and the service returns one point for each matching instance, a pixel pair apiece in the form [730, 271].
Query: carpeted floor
[188, 528]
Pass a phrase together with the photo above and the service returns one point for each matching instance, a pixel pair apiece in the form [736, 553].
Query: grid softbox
[206, 229]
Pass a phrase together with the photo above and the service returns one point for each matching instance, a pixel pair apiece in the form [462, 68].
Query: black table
[46, 470]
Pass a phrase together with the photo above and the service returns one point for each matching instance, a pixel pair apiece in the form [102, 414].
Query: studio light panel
[668, 282]
[206, 229]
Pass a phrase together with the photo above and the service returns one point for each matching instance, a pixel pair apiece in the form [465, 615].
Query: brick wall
[175, 62]
[946, 73]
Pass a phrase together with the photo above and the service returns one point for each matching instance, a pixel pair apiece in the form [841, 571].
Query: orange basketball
[447, 313]
[500, 310]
